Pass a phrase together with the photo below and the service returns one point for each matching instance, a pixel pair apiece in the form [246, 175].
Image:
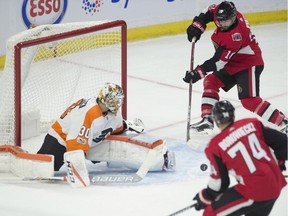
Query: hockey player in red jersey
[242, 149]
[237, 61]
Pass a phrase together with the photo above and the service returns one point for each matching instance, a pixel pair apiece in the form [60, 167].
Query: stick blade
[47, 179]
[116, 179]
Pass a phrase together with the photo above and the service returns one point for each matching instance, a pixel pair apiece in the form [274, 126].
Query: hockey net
[49, 67]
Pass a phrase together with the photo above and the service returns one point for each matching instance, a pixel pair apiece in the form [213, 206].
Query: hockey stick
[104, 179]
[94, 179]
[138, 176]
[116, 178]
[182, 210]
[190, 90]
[48, 179]
[133, 178]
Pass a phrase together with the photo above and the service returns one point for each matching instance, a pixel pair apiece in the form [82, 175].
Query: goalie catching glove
[136, 126]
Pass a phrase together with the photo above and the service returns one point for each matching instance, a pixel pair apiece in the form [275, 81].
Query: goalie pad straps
[77, 174]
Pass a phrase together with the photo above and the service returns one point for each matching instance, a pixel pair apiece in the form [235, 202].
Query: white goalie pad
[77, 174]
[128, 152]
[15, 160]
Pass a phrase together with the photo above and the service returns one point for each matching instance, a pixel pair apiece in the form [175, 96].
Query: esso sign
[39, 12]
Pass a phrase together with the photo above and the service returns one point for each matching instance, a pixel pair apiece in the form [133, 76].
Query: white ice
[157, 95]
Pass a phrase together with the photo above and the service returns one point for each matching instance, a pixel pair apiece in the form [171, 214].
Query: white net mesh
[56, 74]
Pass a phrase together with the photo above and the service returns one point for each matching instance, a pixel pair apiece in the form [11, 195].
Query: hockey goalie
[93, 129]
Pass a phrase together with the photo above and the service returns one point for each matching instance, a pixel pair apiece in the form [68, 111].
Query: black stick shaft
[182, 210]
[190, 90]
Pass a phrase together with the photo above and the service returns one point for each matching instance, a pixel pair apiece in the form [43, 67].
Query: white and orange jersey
[83, 125]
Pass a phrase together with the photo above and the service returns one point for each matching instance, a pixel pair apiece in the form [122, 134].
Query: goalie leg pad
[129, 152]
[77, 174]
[21, 163]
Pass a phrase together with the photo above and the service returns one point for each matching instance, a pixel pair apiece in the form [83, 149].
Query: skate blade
[284, 130]
[202, 132]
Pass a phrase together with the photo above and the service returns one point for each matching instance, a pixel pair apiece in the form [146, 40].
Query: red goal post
[51, 66]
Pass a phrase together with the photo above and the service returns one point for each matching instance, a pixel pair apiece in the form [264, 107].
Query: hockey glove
[194, 75]
[282, 165]
[202, 200]
[195, 29]
[136, 126]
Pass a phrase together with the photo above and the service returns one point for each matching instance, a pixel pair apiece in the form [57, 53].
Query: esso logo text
[39, 12]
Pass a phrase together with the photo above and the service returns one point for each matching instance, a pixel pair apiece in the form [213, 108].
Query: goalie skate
[169, 160]
[205, 126]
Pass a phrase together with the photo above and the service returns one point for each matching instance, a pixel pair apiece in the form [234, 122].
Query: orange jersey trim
[118, 130]
[92, 114]
[136, 142]
[58, 129]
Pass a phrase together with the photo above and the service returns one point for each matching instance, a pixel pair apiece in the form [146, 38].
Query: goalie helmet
[223, 112]
[111, 95]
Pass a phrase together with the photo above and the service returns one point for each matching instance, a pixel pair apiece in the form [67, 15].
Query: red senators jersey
[241, 51]
[241, 151]
[83, 125]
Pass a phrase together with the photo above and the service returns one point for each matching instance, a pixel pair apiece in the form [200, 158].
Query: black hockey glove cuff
[282, 165]
[195, 29]
[202, 200]
[194, 75]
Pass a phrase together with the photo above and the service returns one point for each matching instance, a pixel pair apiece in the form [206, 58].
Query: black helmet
[226, 10]
[223, 112]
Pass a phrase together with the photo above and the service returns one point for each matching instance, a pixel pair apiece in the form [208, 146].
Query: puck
[203, 167]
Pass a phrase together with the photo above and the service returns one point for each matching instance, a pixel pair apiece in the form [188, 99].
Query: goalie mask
[223, 112]
[111, 95]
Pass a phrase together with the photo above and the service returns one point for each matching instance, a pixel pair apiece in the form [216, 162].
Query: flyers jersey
[83, 125]
[241, 151]
[241, 50]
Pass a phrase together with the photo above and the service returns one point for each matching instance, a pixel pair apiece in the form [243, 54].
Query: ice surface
[158, 96]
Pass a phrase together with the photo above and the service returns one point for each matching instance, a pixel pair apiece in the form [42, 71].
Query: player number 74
[256, 148]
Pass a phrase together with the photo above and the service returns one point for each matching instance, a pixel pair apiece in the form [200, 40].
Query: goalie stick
[137, 177]
[97, 179]
[182, 210]
[94, 179]
[47, 179]
[190, 90]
